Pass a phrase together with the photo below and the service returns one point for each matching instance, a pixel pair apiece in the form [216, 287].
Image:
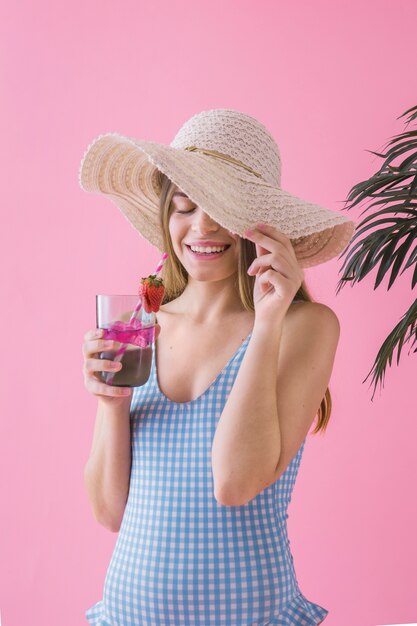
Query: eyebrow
[179, 193]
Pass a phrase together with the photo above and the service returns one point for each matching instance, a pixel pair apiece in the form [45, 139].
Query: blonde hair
[175, 278]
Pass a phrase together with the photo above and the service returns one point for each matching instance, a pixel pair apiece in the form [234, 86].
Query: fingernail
[99, 332]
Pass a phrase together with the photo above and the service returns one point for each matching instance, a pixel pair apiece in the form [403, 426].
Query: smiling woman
[240, 369]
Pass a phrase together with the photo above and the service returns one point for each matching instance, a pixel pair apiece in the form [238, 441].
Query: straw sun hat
[226, 162]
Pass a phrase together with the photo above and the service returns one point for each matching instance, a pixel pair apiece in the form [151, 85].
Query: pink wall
[329, 80]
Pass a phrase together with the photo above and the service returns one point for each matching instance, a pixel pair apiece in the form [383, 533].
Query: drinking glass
[113, 315]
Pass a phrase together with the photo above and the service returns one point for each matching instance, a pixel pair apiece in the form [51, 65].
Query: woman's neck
[208, 301]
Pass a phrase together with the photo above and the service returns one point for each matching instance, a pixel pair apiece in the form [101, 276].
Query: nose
[203, 223]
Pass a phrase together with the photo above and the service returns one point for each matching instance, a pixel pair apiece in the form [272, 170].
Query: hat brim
[126, 170]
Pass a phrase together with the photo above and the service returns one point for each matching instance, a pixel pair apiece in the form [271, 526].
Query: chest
[187, 364]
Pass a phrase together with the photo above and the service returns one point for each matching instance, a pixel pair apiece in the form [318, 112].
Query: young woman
[196, 468]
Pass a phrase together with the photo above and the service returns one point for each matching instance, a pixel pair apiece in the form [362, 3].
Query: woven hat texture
[225, 161]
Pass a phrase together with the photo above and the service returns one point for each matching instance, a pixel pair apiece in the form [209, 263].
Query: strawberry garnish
[151, 290]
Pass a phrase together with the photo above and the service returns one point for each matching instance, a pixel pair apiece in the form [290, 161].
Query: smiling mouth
[208, 254]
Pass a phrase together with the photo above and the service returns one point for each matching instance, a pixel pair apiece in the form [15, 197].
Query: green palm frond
[404, 331]
[389, 235]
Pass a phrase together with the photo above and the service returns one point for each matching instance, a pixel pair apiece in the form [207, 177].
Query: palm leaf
[402, 333]
[386, 240]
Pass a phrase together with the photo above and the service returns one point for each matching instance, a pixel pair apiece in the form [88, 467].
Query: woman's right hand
[92, 346]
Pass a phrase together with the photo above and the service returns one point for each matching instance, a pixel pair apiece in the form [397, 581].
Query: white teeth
[207, 249]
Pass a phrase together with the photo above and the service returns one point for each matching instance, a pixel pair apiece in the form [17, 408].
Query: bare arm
[107, 471]
[276, 395]
[247, 442]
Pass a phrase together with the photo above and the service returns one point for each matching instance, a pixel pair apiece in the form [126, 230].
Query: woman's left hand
[278, 273]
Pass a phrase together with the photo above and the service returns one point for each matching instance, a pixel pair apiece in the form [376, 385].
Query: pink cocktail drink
[135, 336]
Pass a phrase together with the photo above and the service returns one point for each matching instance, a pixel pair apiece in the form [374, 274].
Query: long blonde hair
[175, 278]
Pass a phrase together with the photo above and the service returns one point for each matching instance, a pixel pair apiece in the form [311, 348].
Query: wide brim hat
[226, 162]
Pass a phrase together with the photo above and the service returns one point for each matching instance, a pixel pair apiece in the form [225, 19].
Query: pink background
[329, 80]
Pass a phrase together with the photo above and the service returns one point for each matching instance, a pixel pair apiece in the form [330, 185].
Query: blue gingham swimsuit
[183, 559]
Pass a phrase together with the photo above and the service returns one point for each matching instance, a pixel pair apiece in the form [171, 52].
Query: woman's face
[190, 226]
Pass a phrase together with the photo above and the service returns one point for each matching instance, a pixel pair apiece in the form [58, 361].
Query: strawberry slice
[151, 290]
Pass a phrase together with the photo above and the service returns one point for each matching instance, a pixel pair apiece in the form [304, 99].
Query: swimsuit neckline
[212, 384]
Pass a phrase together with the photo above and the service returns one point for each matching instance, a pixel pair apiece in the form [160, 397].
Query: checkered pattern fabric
[183, 559]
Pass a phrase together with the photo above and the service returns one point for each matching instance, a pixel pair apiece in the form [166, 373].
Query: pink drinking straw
[119, 354]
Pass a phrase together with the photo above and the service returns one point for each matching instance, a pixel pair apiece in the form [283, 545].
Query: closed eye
[189, 211]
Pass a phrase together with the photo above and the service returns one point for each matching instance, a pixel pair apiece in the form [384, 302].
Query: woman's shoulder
[315, 312]
[167, 311]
